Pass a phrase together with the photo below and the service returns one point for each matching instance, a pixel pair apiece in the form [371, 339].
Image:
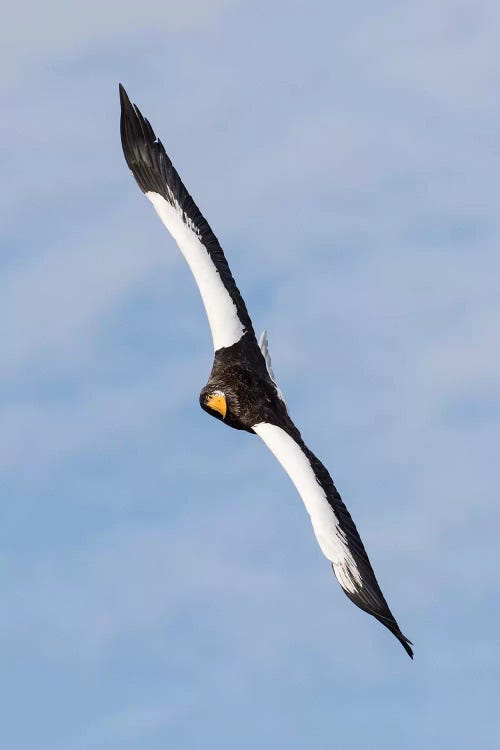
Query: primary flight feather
[241, 390]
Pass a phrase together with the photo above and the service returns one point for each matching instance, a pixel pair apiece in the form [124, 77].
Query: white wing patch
[330, 536]
[264, 347]
[222, 314]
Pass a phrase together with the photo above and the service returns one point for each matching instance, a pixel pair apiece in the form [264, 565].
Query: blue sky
[162, 584]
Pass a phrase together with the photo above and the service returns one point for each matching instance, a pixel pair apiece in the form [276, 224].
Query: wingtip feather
[393, 627]
[406, 644]
[124, 100]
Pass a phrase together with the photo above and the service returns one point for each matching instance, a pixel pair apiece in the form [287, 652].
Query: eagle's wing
[158, 179]
[333, 526]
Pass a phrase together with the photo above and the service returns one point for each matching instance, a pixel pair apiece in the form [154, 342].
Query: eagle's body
[240, 372]
[241, 390]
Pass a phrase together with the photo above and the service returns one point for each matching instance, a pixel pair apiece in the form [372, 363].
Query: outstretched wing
[158, 179]
[333, 526]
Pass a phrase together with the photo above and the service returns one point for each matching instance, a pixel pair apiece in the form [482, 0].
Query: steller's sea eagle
[241, 390]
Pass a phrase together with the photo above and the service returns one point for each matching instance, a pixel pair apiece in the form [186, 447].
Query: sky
[162, 586]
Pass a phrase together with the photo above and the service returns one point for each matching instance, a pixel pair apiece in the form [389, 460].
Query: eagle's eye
[216, 401]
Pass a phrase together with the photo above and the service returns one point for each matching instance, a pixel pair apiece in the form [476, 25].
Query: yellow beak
[218, 403]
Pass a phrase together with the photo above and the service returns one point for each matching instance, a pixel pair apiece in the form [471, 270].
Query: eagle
[242, 391]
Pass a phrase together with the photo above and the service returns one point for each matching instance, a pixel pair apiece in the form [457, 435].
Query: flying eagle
[242, 390]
